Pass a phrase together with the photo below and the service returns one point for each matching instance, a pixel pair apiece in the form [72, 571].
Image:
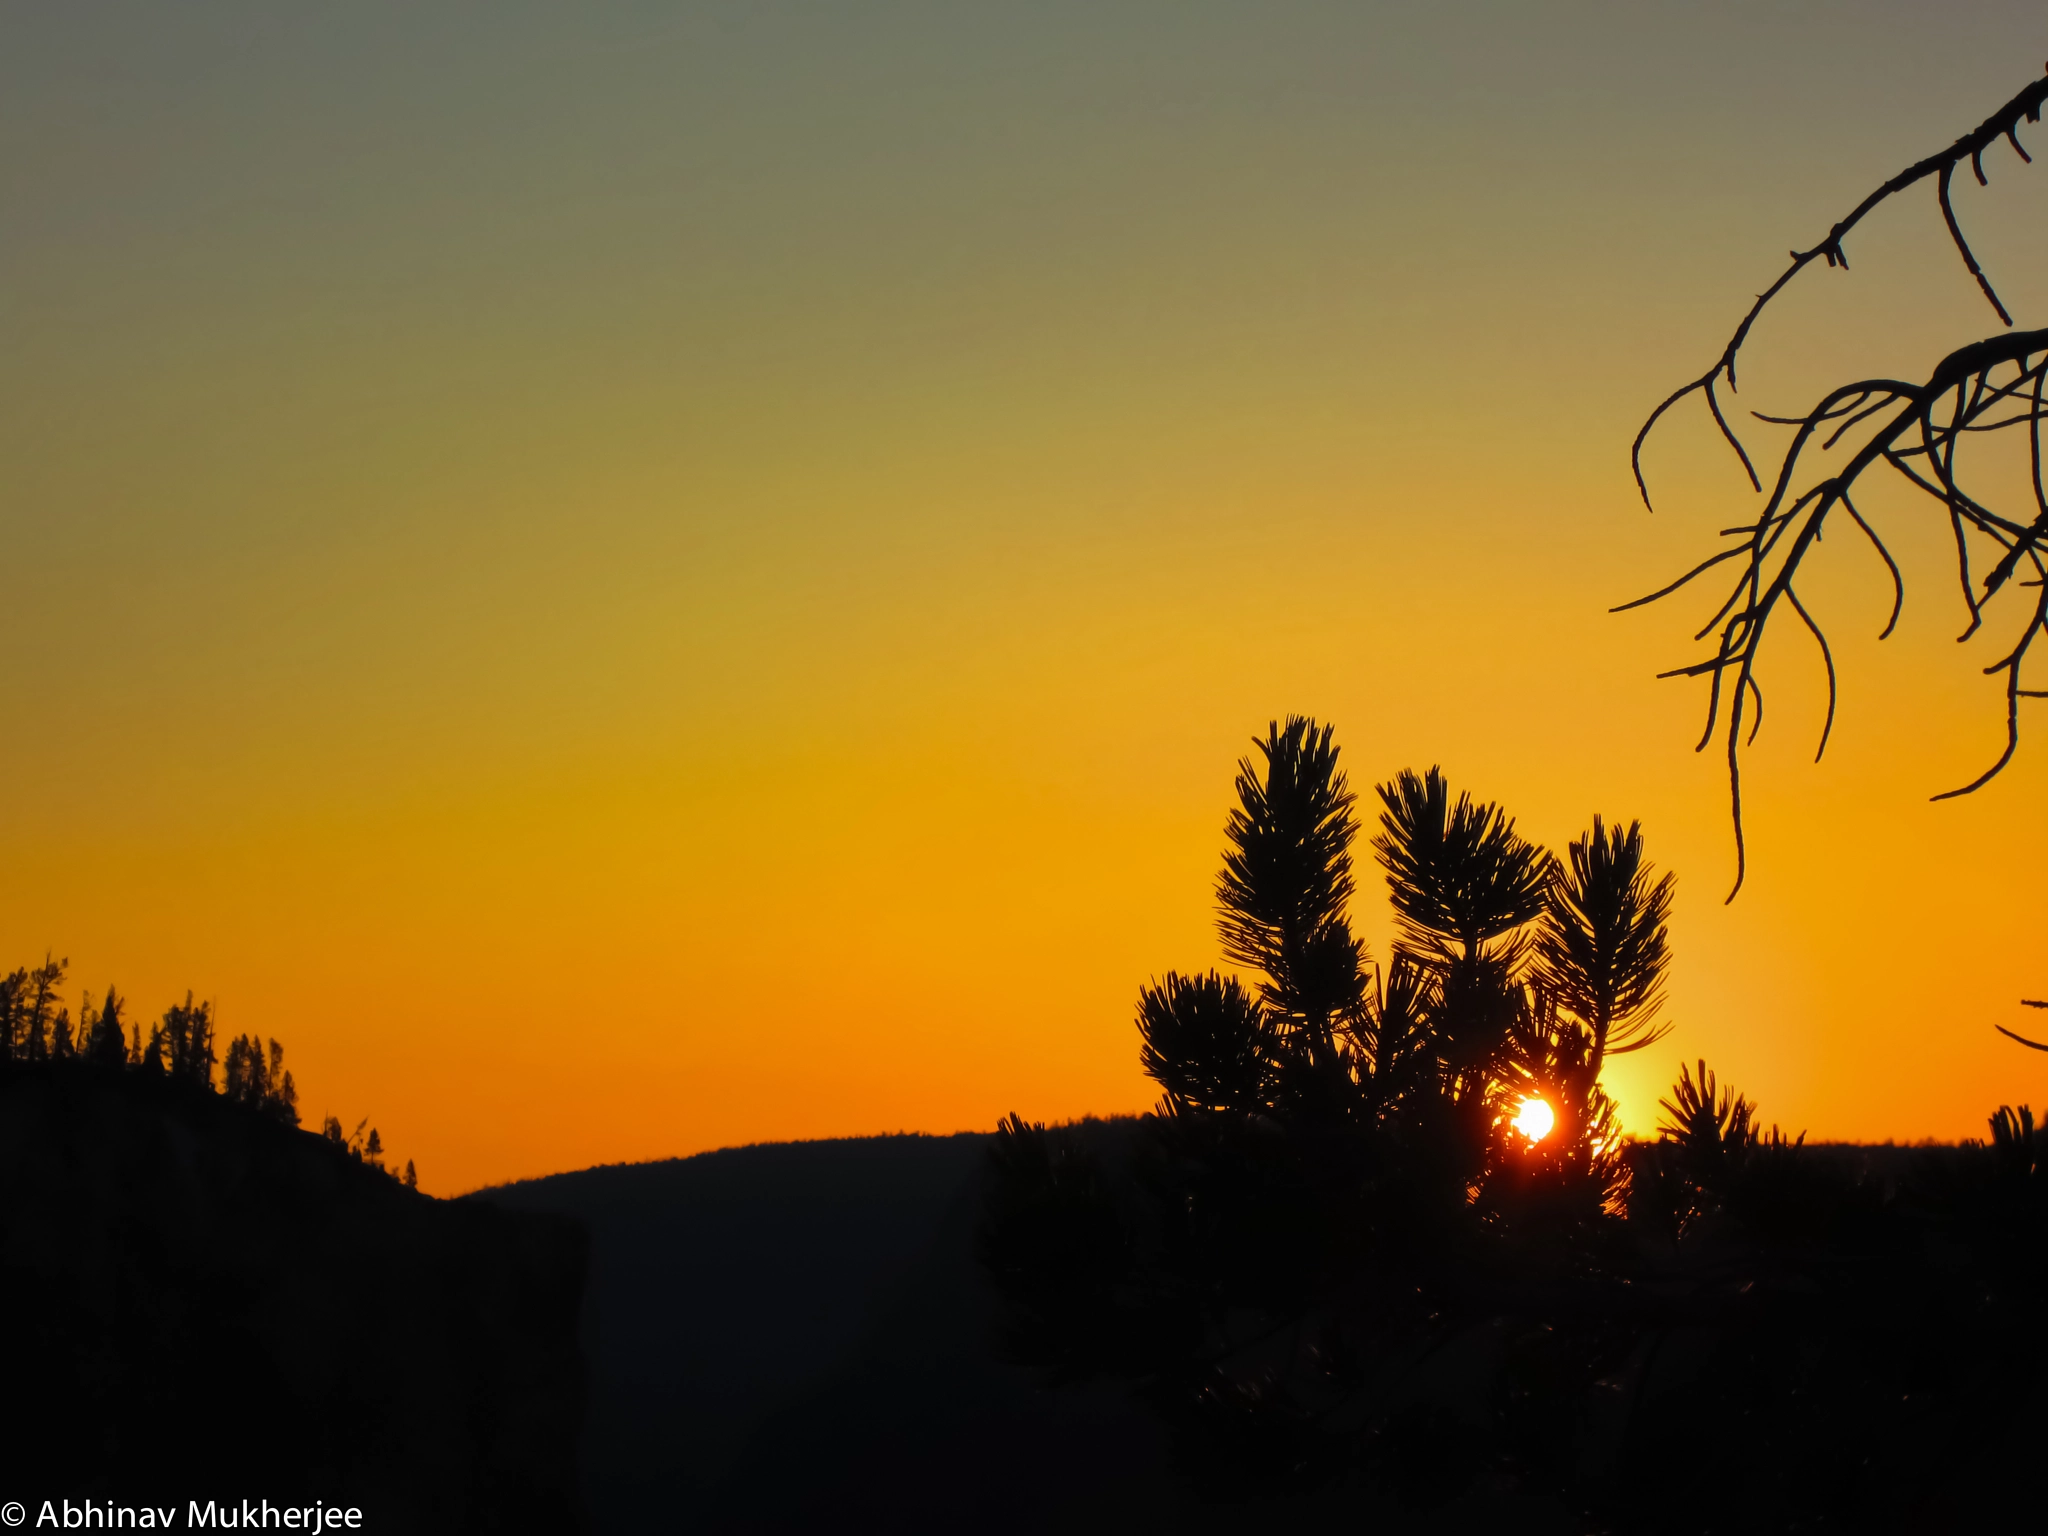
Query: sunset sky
[631, 578]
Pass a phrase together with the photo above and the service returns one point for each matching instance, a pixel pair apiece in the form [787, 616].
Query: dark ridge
[207, 1303]
[799, 1337]
[725, 1285]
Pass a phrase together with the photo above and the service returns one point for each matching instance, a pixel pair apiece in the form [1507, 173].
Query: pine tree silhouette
[1459, 877]
[35, 1028]
[187, 1031]
[1207, 1043]
[45, 1019]
[1604, 944]
[103, 1045]
[12, 988]
[259, 1080]
[1602, 949]
[1333, 1184]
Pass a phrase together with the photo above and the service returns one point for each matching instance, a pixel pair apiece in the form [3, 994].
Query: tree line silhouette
[1338, 1252]
[35, 1028]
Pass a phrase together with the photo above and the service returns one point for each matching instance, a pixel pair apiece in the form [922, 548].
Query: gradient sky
[631, 578]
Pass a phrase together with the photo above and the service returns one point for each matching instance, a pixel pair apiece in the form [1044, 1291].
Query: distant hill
[797, 1337]
[724, 1287]
[201, 1302]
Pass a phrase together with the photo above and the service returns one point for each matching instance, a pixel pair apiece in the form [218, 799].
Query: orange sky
[626, 582]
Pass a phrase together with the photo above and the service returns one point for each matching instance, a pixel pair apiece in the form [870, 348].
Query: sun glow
[1535, 1120]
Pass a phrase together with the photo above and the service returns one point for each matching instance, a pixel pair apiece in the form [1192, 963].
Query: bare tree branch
[2002, 124]
[1964, 388]
[1917, 429]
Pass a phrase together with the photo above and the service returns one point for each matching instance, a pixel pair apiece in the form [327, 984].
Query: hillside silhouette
[1343, 1271]
[206, 1302]
[801, 1337]
[724, 1286]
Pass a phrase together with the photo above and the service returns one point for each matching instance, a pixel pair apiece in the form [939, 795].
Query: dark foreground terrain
[798, 1337]
[204, 1303]
[201, 1302]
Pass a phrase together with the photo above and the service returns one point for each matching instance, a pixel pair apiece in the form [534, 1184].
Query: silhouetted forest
[206, 1302]
[1344, 1250]
[35, 1028]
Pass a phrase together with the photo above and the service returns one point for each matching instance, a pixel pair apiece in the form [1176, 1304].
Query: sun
[1535, 1120]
